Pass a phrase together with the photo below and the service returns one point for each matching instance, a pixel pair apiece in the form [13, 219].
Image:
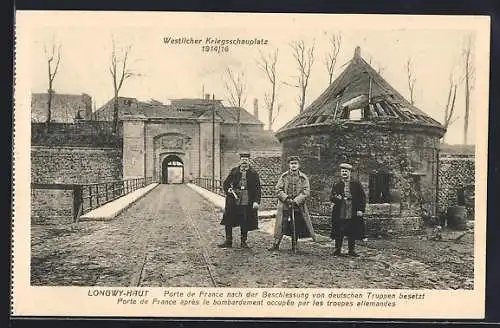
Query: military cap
[346, 166]
[293, 158]
[247, 155]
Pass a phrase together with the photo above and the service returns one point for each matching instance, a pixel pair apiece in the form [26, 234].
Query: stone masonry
[456, 172]
[74, 165]
[67, 165]
[409, 158]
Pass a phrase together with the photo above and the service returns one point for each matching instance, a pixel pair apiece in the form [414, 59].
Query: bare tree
[236, 90]
[411, 80]
[267, 64]
[469, 76]
[304, 57]
[53, 60]
[332, 54]
[449, 110]
[119, 73]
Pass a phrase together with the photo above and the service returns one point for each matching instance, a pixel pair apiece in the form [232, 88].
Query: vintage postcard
[250, 165]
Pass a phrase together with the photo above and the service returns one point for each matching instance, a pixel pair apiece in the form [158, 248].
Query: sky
[184, 71]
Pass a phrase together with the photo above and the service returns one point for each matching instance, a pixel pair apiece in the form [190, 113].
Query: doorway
[172, 170]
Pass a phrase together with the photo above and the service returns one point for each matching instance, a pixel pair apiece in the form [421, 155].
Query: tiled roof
[179, 108]
[229, 115]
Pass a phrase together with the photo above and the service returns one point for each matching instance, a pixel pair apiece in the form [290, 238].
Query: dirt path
[168, 237]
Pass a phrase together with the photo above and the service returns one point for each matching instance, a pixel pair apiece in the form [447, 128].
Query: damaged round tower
[393, 146]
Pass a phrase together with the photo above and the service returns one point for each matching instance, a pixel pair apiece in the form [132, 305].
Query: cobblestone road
[168, 237]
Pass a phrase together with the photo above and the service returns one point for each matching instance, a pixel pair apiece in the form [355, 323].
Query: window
[379, 188]
[356, 114]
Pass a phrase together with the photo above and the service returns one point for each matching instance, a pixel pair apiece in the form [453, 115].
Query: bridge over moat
[169, 237]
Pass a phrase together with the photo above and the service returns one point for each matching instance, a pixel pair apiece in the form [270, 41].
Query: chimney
[256, 108]
[207, 96]
[357, 52]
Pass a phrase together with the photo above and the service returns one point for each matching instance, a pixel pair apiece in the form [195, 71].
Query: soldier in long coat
[243, 192]
[349, 202]
[292, 191]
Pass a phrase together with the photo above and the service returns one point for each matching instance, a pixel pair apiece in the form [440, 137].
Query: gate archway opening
[172, 170]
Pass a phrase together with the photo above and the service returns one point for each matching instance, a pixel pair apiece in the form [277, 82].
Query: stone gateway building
[187, 139]
[392, 145]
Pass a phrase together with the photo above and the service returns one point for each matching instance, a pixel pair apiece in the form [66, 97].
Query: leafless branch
[278, 109]
[469, 73]
[304, 58]
[53, 69]
[267, 64]
[332, 54]
[236, 90]
[119, 72]
[411, 80]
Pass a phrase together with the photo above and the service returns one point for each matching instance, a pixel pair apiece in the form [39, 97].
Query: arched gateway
[187, 129]
[172, 170]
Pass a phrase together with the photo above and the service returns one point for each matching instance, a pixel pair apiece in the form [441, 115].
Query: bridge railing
[214, 186]
[94, 195]
[87, 197]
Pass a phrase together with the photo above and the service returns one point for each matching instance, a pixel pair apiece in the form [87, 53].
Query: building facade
[190, 138]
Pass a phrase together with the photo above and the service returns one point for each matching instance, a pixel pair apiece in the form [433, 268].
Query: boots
[227, 244]
[276, 245]
[244, 242]
[229, 238]
[351, 245]
[338, 247]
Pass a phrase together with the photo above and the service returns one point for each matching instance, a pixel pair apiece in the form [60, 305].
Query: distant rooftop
[457, 149]
[65, 108]
[179, 108]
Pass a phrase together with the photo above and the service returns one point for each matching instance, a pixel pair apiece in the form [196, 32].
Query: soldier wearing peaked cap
[349, 203]
[243, 192]
[292, 191]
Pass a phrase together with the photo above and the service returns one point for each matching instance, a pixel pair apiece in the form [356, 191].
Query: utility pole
[213, 141]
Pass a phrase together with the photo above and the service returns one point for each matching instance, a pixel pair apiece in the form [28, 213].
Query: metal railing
[214, 186]
[94, 195]
[87, 197]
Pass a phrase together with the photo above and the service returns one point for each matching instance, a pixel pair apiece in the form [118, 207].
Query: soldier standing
[242, 189]
[292, 190]
[349, 203]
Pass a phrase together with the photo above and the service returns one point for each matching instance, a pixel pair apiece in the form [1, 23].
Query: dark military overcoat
[354, 227]
[233, 214]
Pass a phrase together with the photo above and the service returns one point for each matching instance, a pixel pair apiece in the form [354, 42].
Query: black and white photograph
[251, 159]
